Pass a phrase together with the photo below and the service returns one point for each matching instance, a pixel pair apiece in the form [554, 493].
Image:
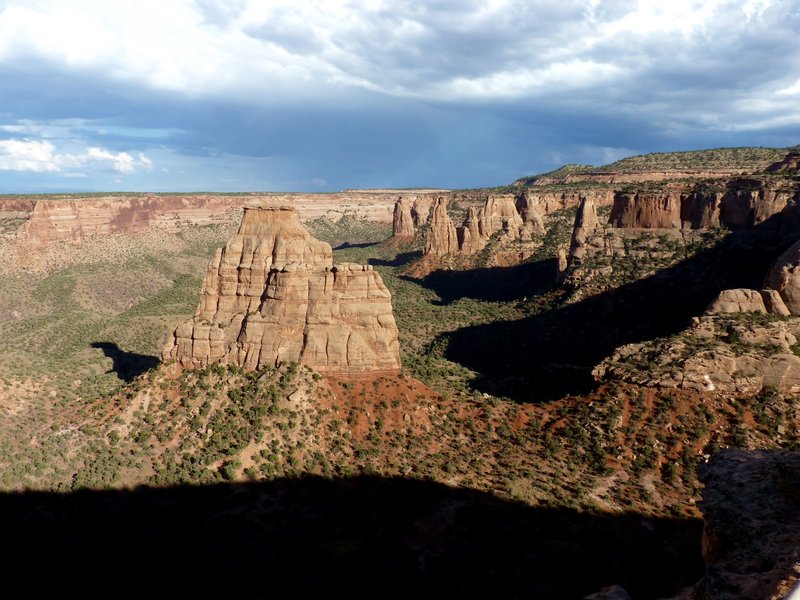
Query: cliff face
[38, 223]
[742, 204]
[547, 202]
[272, 295]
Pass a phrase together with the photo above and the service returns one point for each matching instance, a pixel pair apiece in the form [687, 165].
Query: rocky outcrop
[272, 295]
[532, 214]
[402, 220]
[586, 223]
[751, 534]
[784, 276]
[743, 300]
[499, 213]
[646, 210]
[738, 204]
[790, 165]
[441, 238]
[421, 211]
[717, 353]
[470, 240]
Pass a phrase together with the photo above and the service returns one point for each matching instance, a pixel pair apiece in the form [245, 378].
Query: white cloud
[41, 156]
[27, 155]
[257, 50]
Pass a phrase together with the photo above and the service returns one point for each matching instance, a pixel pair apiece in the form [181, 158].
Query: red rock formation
[441, 238]
[421, 211]
[701, 209]
[470, 239]
[532, 213]
[402, 221]
[70, 219]
[585, 223]
[272, 295]
[499, 213]
[740, 204]
[646, 210]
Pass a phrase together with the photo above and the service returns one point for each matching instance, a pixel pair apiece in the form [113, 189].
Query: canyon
[588, 365]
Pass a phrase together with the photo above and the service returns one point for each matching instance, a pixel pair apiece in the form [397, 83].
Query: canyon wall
[37, 222]
[738, 204]
[272, 295]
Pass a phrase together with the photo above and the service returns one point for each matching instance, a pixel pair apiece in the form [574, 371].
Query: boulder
[737, 301]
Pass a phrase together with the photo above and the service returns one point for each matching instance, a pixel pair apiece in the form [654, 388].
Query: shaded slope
[362, 538]
[550, 354]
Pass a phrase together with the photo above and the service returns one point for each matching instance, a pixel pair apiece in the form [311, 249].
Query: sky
[295, 95]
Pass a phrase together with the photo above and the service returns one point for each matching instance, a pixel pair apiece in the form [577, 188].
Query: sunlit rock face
[272, 295]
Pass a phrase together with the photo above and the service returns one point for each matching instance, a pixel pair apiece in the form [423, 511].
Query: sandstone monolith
[272, 295]
[402, 220]
[442, 238]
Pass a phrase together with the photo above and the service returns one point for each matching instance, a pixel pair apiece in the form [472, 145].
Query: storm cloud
[289, 95]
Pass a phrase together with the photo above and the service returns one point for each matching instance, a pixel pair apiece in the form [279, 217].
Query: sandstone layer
[736, 204]
[743, 300]
[272, 295]
[719, 352]
[41, 222]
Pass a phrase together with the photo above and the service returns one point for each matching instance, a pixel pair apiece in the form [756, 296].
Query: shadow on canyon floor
[127, 365]
[363, 537]
[346, 245]
[492, 284]
[551, 354]
[403, 258]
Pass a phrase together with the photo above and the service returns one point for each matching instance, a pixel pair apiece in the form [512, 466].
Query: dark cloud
[444, 93]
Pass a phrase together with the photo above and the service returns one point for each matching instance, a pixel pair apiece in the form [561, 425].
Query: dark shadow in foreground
[127, 365]
[363, 537]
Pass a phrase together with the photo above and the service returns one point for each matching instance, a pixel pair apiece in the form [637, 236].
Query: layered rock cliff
[38, 223]
[736, 204]
[272, 295]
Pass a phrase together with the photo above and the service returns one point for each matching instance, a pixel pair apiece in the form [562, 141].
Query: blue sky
[251, 95]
